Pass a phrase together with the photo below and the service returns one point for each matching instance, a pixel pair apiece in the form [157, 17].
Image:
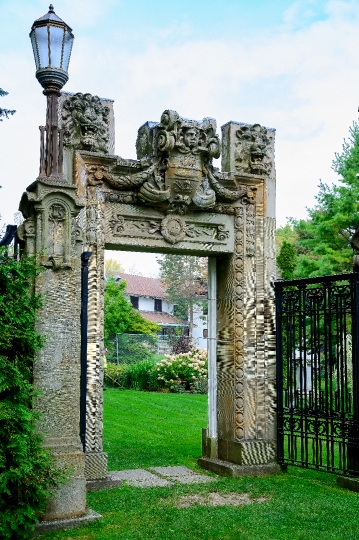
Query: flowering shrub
[182, 370]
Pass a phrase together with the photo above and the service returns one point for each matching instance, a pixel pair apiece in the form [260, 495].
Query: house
[149, 296]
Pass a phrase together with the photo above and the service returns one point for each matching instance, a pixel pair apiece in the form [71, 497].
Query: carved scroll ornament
[176, 174]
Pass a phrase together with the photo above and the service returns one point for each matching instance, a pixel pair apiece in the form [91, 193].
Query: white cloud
[303, 82]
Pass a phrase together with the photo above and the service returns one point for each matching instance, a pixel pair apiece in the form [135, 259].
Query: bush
[181, 344]
[181, 371]
[27, 473]
[133, 348]
[140, 376]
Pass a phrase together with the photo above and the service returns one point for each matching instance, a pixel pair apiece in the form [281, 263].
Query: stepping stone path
[159, 477]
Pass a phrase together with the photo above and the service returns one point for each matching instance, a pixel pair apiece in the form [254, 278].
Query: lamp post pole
[51, 140]
[52, 41]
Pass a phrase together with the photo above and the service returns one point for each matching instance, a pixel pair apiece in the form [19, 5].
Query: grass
[150, 429]
[147, 429]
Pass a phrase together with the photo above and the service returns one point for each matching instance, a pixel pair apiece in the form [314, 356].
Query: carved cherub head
[190, 137]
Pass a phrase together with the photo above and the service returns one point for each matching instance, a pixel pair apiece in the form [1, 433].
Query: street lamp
[51, 40]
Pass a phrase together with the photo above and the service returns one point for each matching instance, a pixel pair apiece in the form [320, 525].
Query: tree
[322, 241]
[5, 112]
[286, 260]
[185, 278]
[27, 473]
[120, 316]
[113, 267]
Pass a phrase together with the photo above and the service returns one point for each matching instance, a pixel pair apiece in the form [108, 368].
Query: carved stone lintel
[175, 171]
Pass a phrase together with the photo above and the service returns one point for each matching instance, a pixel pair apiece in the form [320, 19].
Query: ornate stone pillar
[51, 232]
[89, 126]
[246, 334]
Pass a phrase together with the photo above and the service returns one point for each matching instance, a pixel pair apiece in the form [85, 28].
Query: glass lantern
[51, 40]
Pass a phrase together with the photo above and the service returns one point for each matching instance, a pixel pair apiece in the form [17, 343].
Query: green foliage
[5, 112]
[185, 372]
[185, 278]
[286, 260]
[120, 316]
[113, 267]
[182, 369]
[285, 233]
[322, 241]
[138, 376]
[132, 348]
[26, 469]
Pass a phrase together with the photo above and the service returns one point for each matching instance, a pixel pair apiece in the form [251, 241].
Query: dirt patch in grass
[218, 499]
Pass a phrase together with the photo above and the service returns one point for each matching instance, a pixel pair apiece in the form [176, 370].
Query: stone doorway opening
[176, 333]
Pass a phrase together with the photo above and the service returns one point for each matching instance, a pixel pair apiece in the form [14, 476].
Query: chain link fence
[132, 348]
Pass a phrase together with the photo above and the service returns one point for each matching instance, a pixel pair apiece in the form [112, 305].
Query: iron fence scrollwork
[318, 373]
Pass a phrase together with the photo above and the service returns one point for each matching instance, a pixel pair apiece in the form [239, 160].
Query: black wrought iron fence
[10, 240]
[317, 372]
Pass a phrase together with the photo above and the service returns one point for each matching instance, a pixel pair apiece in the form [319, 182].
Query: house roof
[161, 318]
[143, 286]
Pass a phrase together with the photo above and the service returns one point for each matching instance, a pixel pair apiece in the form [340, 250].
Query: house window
[158, 304]
[205, 332]
[134, 301]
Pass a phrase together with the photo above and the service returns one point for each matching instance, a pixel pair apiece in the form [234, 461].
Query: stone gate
[171, 199]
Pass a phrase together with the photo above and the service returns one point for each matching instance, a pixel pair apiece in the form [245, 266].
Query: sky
[292, 66]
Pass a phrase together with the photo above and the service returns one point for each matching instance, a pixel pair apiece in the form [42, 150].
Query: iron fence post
[85, 257]
[279, 371]
[353, 447]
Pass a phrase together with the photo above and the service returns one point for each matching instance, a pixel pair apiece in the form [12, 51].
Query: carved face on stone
[85, 120]
[190, 137]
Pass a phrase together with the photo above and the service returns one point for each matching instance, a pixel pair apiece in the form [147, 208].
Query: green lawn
[146, 429]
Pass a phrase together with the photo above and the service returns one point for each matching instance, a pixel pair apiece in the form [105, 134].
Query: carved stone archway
[171, 199]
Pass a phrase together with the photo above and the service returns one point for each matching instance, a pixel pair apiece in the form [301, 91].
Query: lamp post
[51, 40]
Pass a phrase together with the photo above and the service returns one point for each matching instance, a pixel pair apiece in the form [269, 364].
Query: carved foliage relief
[172, 228]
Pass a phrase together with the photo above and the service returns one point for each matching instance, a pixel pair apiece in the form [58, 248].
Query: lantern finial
[51, 8]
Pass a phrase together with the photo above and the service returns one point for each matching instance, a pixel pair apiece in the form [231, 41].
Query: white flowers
[182, 368]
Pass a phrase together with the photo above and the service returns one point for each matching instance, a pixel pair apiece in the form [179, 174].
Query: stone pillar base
[348, 483]
[255, 452]
[95, 465]
[69, 500]
[225, 468]
[209, 445]
[64, 524]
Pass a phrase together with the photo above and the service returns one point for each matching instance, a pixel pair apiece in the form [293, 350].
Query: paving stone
[140, 478]
[192, 479]
[183, 475]
[179, 470]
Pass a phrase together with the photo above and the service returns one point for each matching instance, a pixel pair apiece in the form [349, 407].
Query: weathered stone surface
[247, 149]
[170, 200]
[64, 524]
[348, 483]
[140, 478]
[51, 231]
[183, 475]
[226, 468]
